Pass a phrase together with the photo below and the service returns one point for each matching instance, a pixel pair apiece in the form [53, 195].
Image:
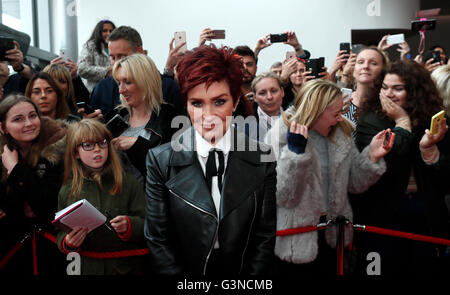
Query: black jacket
[380, 205]
[181, 222]
[160, 127]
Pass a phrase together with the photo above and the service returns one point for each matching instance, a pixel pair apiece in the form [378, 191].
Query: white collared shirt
[203, 147]
[264, 125]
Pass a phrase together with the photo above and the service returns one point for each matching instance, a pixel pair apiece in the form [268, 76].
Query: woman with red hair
[210, 198]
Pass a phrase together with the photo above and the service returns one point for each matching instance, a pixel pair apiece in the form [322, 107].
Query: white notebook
[79, 214]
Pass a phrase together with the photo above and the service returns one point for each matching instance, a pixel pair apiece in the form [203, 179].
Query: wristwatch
[22, 67]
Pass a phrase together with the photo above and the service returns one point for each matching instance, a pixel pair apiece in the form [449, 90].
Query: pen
[109, 217]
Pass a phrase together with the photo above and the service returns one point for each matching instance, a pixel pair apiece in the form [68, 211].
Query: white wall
[319, 25]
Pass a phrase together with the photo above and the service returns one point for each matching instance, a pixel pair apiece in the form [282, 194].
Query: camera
[274, 38]
[315, 65]
[417, 25]
[5, 45]
[87, 108]
[345, 46]
[435, 55]
[218, 34]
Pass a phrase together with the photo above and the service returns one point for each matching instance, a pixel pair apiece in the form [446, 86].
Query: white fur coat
[299, 193]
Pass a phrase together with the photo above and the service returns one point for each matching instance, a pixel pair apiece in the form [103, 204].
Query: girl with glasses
[93, 171]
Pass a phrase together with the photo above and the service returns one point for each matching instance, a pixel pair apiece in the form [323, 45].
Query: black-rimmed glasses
[89, 146]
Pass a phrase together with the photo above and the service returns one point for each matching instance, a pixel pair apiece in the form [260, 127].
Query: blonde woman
[318, 165]
[142, 107]
[93, 171]
[441, 76]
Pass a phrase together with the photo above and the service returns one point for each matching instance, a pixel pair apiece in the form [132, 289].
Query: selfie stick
[422, 37]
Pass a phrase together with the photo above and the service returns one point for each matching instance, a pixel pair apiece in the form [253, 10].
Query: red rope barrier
[33, 243]
[299, 230]
[10, 254]
[115, 254]
[102, 255]
[400, 234]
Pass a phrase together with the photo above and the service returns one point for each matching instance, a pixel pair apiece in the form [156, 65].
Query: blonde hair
[311, 101]
[58, 72]
[441, 77]
[92, 131]
[141, 70]
[265, 75]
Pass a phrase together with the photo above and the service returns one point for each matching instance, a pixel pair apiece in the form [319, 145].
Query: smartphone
[435, 120]
[347, 91]
[179, 38]
[357, 48]
[290, 54]
[417, 25]
[63, 54]
[87, 108]
[345, 46]
[218, 34]
[395, 39]
[117, 125]
[315, 65]
[435, 55]
[388, 139]
[276, 38]
[5, 45]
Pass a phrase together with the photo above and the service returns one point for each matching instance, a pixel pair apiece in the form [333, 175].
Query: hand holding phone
[180, 37]
[277, 38]
[435, 55]
[315, 65]
[63, 54]
[290, 54]
[218, 34]
[395, 39]
[435, 120]
[345, 46]
[388, 139]
[87, 108]
[5, 45]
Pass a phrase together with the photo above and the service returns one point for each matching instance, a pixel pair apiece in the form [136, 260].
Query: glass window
[18, 15]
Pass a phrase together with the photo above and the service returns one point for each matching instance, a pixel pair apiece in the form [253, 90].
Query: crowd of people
[203, 163]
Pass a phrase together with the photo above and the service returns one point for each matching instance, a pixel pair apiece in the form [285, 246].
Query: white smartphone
[63, 54]
[395, 39]
[179, 38]
[290, 54]
[347, 91]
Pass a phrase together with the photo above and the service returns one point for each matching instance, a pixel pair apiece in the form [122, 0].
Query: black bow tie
[211, 168]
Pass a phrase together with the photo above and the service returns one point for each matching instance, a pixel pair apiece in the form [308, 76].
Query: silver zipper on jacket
[208, 213]
[249, 232]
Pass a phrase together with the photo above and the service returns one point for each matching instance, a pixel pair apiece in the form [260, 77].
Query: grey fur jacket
[299, 193]
[92, 67]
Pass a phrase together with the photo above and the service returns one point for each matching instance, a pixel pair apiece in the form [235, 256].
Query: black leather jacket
[181, 222]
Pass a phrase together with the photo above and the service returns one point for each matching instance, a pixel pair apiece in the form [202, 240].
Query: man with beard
[246, 106]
